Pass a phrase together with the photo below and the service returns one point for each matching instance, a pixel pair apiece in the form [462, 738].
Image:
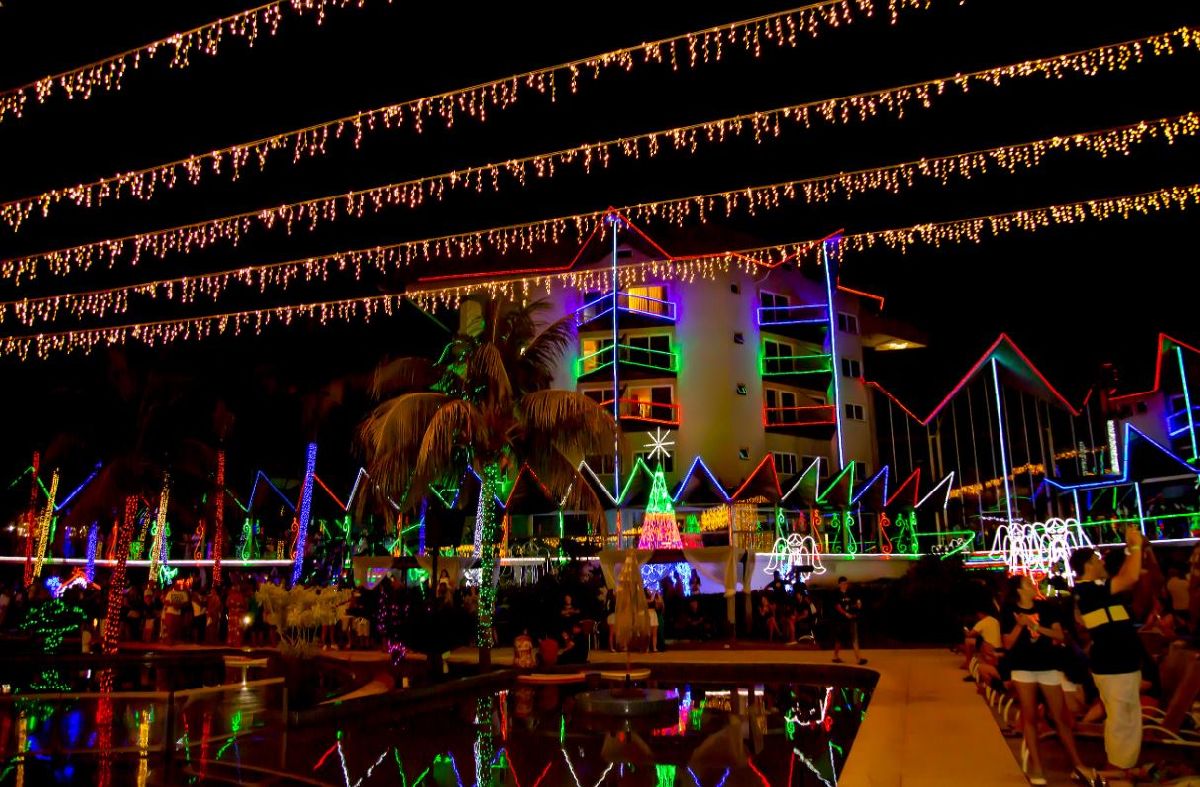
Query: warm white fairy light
[891, 178]
[362, 309]
[782, 29]
[108, 74]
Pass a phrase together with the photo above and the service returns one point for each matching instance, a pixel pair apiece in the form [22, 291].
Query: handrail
[645, 411]
[766, 314]
[829, 417]
[667, 313]
[787, 364]
[625, 351]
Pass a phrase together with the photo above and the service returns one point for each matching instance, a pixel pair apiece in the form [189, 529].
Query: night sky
[1071, 297]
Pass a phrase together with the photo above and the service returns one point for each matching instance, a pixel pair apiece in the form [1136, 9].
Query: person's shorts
[1045, 677]
[846, 633]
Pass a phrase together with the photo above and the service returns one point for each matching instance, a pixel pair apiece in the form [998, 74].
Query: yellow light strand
[44, 526]
[108, 74]
[891, 178]
[363, 309]
[762, 125]
[781, 29]
[161, 522]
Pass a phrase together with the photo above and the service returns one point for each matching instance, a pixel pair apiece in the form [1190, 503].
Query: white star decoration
[658, 444]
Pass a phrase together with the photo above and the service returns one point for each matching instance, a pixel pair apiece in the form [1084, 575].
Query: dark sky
[1071, 297]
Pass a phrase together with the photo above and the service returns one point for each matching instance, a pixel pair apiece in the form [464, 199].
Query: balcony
[795, 365]
[636, 362]
[637, 311]
[814, 420]
[807, 322]
[638, 411]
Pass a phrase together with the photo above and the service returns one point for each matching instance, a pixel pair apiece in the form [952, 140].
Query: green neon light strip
[833, 484]
[824, 368]
[1187, 402]
[672, 359]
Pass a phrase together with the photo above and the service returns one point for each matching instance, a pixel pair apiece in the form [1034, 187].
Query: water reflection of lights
[574, 776]
[791, 720]
[696, 779]
[812, 767]
[143, 743]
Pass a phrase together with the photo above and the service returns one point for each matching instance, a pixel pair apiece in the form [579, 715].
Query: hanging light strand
[688, 51]
[892, 178]
[105, 76]
[764, 125]
[363, 309]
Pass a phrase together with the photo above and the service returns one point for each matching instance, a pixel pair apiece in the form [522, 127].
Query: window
[778, 357]
[744, 453]
[601, 464]
[668, 462]
[785, 463]
[847, 323]
[855, 412]
[739, 338]
[741, 389]
[649, 402]
[733, 288]
[649, 298]
[806, 462]
[592, 354]
[649, 351]
[779, 402]
[851, 368]
[770, 300]
[862, 469]
[598, 395]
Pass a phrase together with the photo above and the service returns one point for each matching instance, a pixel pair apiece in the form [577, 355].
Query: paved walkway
[924, 726]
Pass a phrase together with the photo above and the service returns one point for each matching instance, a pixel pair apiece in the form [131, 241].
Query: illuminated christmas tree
[659, 528]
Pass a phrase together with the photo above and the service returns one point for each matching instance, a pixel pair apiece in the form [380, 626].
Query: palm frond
[403, 375]
[488, 373]
[455, 424]
[392, 435]
[575, 424]
[562, 478]
[547, 348]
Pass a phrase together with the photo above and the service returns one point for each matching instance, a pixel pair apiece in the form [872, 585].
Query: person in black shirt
[777, 589]
[1033, 648]
[845, 621]
[1115, 657]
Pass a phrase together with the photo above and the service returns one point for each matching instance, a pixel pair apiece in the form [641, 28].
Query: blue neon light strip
[306, 489]
[781, 315]
[1187, 402]
[1123, 479]
[698, 462]
[78, 489]
[261, 476]
[582, 318]
[869, 484]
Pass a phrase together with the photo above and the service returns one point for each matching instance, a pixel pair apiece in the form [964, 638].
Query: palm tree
[487, 403]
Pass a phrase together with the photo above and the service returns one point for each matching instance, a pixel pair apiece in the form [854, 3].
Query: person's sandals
[1080, 776]
[862, 661]
[837, 660]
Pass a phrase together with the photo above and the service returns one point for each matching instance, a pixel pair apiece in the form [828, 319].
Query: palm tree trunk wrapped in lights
[486, 404]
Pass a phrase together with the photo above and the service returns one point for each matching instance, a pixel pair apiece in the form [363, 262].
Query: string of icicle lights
[363, 309]
[762, 125]
[107, 75]
[892, 178]
[782, 29]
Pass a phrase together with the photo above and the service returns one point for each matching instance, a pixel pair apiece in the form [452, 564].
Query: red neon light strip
[891, 396]
[862, 294]
[544, 772]
[324, 757]
[1162, 340]
[774, 476]
[753, 767]
[329, 491]
[916, 474]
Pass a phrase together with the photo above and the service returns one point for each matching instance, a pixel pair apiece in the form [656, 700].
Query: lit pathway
[924, 726]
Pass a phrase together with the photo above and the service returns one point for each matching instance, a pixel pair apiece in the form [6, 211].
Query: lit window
[647, 298]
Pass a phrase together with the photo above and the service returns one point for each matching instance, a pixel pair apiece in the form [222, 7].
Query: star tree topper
[658, 444]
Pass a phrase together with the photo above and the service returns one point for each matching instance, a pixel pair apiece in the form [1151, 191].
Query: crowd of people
[1087, 654]
[788, 612]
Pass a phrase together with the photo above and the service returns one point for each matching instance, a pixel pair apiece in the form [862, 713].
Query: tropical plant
[487, 404]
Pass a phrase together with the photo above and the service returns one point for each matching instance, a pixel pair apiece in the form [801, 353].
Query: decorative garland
[107, 75]
[782, 29]
[892, 178]
[362, 309]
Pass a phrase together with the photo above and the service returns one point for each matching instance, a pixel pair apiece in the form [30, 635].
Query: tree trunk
[485, 538]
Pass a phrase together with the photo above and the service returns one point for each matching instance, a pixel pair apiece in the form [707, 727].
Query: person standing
[1032, 639]
[213, 609]
[846, 608]
[172, 623]
[1115, 657]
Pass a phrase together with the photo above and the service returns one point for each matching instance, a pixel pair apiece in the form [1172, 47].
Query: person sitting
[692, 624]
[574, 648]
[569, 613]
[694, 584]
[764, 618]
[548, 650]
[806, 616]
[984, 633]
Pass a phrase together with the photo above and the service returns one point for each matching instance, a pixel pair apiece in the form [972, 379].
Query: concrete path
[924, 726]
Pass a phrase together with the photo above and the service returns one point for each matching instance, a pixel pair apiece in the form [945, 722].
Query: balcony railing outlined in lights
[660, 360]
[810, 314]
[1178, 422]
[818, 363]
[804, 415]
[643, 305]
[663, 413]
